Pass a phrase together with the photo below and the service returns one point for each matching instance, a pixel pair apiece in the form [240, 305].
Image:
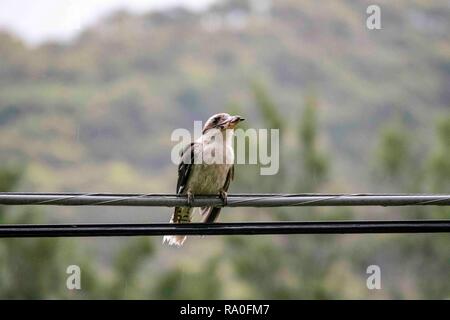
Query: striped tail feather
[180, 215]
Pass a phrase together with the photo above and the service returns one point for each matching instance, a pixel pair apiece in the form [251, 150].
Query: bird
[206, 168]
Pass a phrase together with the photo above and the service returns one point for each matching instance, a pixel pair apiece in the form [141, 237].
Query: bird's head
[222, 121]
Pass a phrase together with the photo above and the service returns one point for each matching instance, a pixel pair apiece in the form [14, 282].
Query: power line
[247, 228]
[234, 200]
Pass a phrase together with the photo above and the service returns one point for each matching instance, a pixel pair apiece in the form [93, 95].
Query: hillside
[358, 111]
[105, 105]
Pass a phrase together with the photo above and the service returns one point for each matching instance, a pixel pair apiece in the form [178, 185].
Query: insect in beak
[231, 122]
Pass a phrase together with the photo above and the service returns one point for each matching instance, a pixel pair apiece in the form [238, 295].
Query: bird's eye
[216, 120]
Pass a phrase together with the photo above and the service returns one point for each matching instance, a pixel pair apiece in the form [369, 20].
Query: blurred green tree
[272, 119]
[439, 161]
[315, 162]
[36, 268]
[267, 107]
[127, 266]
[185, 283]
[396, 167]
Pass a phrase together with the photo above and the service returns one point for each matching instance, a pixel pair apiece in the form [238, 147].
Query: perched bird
[206, 168]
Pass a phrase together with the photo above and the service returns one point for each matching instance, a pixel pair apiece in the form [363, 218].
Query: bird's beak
[233, 121]
[230, 122]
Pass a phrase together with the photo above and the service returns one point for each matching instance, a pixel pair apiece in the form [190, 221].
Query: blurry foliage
[36, 268]
[127, 266]
[269, 110]
[96, 114]
[9, 178]
[315, 163]
[256, 267]
[182, 283]
[439, 161]
[393, 156]
[393, 150]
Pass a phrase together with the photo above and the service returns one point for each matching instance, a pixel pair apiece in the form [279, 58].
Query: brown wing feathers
[211, 214]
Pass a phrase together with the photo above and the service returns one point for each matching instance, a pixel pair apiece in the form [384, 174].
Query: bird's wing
[211, 214]
[182, 214]
[230, 176]
[185, 166]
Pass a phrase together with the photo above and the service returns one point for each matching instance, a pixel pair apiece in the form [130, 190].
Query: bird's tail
[210, 214]
[174, 240]
[180, 215]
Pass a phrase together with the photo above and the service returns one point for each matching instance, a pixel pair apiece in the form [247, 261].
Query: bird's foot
[224, 196]
[190, 198]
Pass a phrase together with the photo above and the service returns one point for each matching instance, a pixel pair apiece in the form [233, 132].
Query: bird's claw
[224, 196]
[190, 198]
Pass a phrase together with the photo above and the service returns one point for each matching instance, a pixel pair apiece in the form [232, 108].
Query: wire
[233, 200]
[245, 228]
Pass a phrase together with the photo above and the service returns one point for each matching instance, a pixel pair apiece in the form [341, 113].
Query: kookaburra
[206, 168]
